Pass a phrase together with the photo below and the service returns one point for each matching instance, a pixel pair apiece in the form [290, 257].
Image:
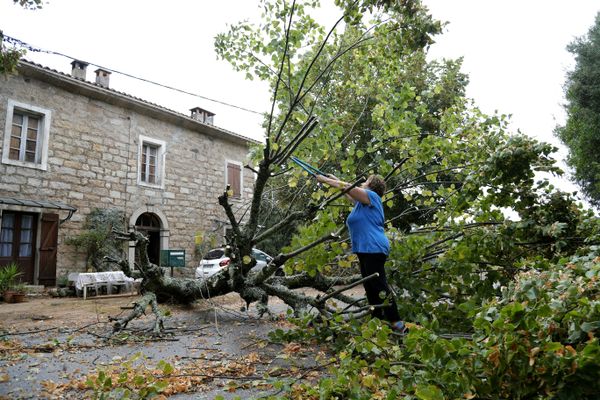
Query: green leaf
[590, 326]
[108, 383]
[139, 380]
[160, 385]
[168, 368]
[429, 392]
[553, 346]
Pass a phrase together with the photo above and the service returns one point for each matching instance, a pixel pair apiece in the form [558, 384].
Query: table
[97, 280]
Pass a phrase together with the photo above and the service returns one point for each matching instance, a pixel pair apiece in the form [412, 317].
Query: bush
[538, 340]
[8, 276]
[97, 239]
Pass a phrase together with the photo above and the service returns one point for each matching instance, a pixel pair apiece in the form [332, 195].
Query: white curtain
[6, 235]
[26, 247]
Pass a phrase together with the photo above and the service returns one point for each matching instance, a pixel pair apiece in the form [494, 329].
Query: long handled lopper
[307, 167]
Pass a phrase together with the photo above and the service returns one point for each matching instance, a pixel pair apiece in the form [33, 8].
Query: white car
[215, 260]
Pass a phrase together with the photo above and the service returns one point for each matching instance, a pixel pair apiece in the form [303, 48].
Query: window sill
[151, 186]
[23, 164]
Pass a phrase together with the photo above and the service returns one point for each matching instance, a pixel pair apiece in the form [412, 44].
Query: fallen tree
[478, 245]
[359, 99]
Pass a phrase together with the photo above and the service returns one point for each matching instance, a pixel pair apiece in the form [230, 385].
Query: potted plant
[8, 280]
[17, 293]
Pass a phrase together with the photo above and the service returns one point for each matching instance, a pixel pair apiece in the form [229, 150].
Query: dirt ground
[49, 347]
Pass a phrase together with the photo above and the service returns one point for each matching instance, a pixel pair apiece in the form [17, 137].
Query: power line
[20, 43]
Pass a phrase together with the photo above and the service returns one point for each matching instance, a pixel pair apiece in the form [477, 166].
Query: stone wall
[93, 163]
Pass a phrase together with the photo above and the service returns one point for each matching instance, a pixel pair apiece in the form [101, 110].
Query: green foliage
[540, 336]
[477, 244]
[580, 132]
[539, 339]
[130, 380]
[204, 242]
[9, 57]
[97, 239]
[8, 276]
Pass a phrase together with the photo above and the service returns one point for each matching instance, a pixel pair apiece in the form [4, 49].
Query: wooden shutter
[234, 179]
[48, 250]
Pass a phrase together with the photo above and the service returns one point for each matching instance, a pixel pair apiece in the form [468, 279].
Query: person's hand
[332, 176]
[321, 178]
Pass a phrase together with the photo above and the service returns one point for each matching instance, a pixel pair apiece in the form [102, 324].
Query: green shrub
[8, 276]
[538, 340]
[97, 239]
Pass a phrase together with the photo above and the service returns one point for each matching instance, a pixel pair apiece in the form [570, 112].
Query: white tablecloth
[105, 278]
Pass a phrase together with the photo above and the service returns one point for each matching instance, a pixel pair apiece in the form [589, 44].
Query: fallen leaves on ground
[292, 348]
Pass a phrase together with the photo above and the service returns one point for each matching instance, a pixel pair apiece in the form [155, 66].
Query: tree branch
[348, 287]
[285, 50]
[224, 202]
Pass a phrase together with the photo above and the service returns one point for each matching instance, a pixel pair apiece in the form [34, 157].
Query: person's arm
[355, 194]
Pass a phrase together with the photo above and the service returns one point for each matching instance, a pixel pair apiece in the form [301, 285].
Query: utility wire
[20, 43]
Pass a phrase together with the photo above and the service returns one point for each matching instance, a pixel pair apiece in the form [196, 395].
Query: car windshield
[259, 255]
[214, 254]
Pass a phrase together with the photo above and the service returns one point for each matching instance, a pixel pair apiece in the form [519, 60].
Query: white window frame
[45, 116]
[241, 177]
[160, 158]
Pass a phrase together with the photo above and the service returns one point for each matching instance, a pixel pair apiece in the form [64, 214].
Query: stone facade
[93, 161]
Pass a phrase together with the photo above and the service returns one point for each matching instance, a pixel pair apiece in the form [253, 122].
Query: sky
[514, 52]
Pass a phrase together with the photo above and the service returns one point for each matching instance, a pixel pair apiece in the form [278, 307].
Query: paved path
[68, 345]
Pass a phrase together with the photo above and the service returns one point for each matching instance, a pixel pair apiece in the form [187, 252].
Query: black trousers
[377, 289]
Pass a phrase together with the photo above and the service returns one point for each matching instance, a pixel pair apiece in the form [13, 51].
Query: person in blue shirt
[369, 243]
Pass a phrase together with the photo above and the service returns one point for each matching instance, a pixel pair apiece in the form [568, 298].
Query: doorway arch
[153, 223]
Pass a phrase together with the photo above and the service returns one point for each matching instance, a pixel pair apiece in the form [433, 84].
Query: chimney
[102, 77]
[202, 115]
[79, 69]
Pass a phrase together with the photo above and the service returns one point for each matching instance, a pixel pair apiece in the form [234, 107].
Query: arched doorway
[149, 224]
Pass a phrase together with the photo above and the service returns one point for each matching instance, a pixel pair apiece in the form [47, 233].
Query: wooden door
[17, 242]
[48, 250]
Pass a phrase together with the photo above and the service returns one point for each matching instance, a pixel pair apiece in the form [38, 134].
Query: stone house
[70, 146]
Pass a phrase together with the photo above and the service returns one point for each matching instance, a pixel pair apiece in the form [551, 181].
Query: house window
[151, 162]
[26, 136]
[234, 179]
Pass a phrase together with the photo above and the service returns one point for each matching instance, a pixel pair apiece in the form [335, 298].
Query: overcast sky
[514, 52]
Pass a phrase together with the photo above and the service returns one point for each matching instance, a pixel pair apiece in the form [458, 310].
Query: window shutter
[234, 179]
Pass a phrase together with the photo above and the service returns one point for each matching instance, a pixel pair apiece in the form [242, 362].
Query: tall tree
[581, 132]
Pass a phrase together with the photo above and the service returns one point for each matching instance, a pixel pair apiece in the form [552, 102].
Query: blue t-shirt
[365, 224]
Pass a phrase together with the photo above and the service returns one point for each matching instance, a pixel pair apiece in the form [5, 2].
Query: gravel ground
[51, 341]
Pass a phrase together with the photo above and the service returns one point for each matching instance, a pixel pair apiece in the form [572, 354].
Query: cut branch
[139, 309]
[348, 287]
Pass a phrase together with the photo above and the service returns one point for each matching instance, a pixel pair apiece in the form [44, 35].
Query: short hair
[377, 184]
